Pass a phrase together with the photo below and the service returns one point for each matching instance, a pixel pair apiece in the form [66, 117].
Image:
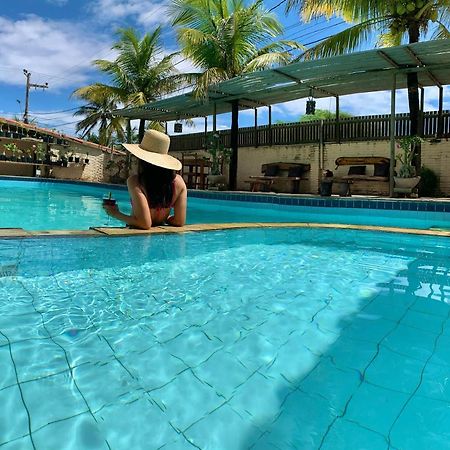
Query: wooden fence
[365, 128]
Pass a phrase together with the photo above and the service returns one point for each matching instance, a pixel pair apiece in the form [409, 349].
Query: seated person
[156, 188]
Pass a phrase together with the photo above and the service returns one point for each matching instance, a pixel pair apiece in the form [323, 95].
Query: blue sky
[56, 40]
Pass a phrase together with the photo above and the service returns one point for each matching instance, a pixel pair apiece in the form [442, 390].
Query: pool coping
[14, 233]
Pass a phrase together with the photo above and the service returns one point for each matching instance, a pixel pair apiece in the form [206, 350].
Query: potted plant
[219, 156]
[86, 160]
[39, 154]
[77, 159]
[28, 155]
[51, 157]
[64, 160]
[21, 155]
[70, 157]
[13, 149]
[406, 175]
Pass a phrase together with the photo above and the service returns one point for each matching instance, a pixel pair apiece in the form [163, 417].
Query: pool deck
[14, 233]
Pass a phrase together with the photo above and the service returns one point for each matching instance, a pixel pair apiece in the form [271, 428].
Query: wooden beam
[421, 116]
[440, 127]
[256, 127]
[392, 136]
[419, 62]
[234, 138]
[270, 125]
[338, 130]
[388, 59]
[297, 80]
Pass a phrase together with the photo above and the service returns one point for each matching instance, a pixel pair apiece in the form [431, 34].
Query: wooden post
[421, 118]
[215, 118]
[321, 155]
[270, 125]
[338, 131]
[440, 125]
[256, 127]
[234, 138]
[392, 137]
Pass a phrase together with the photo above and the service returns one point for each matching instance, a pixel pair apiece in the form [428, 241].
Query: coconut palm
[98, 114]
[225, 38]
[393, 21]
[138, 74]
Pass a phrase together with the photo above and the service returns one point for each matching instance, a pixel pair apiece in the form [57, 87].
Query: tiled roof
[32, 131]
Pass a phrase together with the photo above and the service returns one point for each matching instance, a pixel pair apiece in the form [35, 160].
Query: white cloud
[144, 12]
[57, 52]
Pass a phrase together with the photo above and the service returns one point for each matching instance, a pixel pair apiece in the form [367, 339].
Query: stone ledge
[122, 231]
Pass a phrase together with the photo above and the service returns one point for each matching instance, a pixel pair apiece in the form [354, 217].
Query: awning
[367, 71]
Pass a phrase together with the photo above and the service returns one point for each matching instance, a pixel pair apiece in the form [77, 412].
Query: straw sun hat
[154, 149]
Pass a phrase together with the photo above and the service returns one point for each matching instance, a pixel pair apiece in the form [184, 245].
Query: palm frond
[345, 41]
[268, 60]
[441, 32]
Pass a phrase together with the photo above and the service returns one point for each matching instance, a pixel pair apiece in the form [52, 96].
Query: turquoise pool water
[246, 339]
[65, 206]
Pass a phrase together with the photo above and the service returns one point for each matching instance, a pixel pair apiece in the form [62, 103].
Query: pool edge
[14, 233]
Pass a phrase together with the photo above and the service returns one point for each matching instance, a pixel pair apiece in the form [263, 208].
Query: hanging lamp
[310, 104]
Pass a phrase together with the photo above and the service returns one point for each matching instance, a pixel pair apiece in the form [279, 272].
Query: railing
[365, 128]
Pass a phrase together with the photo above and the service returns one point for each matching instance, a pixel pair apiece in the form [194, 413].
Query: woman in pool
[156, 188]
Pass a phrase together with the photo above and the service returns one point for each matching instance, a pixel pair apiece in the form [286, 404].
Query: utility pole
[27, 92]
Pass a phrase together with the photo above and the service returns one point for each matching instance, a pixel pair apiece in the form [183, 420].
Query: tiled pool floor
[216, 350]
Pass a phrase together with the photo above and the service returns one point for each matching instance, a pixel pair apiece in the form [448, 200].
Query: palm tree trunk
[129, 131]
[413, 98]
[141, 129]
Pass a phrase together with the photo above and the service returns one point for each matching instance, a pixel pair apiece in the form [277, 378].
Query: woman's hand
[111, 210]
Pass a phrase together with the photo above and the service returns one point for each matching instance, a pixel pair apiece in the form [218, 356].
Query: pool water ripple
[259, 339]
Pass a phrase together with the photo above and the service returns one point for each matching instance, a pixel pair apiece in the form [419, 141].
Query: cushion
[295, 171]
[271, 171]
[357, 170]
[381, 170]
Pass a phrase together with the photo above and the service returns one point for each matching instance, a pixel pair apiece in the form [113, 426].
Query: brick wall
[435, 156]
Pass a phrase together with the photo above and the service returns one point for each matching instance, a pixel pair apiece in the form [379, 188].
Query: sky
[57, 40]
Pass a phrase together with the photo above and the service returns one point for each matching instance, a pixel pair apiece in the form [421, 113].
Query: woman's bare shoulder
[179, 182]
[132, 180]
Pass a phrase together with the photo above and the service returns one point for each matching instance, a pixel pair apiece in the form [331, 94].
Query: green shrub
[429, 183]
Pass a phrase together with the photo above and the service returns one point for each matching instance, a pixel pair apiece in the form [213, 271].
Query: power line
[317, 31]
[319, 21]
[42, 113]
[277, 5]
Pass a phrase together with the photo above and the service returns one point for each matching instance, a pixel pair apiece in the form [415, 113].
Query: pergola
[367, 71]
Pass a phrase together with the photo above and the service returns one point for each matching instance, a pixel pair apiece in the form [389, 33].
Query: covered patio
[361, 72]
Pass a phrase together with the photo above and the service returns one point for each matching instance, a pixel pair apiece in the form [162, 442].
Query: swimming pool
[262, 339]
[44, 205]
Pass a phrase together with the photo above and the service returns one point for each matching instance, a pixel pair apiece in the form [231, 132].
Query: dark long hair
[158, 184]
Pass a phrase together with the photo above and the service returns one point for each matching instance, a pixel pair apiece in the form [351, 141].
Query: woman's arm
[179, 208]
[140, 215]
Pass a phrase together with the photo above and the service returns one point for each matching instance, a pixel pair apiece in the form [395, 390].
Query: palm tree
[226, 38]
[137, 75]
[98, 113]
[393, 21]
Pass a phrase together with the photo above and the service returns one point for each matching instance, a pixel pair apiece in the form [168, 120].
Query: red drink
[109, 201]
